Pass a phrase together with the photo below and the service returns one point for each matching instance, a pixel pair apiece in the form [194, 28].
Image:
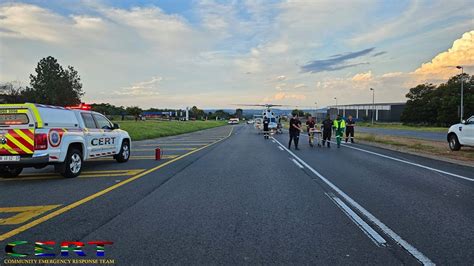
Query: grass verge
[403, 127]
[433, 149]
[141, 130]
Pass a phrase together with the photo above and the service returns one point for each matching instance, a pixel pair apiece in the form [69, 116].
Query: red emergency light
[81, 106]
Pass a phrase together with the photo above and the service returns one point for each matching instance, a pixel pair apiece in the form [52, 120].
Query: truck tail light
[41, 141]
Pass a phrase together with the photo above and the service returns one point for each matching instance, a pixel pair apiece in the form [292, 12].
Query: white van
[233, 121]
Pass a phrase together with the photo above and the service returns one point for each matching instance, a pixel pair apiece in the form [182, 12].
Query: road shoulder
[422, 149]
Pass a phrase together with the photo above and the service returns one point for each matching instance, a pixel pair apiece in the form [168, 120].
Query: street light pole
[337, 108]
[373, 104]
[462, 90]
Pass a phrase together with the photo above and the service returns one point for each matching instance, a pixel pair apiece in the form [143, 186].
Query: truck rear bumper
[29, 161]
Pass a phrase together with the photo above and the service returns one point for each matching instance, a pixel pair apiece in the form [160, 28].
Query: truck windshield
[13, 119]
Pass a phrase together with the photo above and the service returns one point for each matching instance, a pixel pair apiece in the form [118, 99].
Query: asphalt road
[227, 196]
[425, 135]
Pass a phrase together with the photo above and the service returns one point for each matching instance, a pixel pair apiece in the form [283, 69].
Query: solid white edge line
[400, 241]
[369, 231]
[297, 163]
[408, 162]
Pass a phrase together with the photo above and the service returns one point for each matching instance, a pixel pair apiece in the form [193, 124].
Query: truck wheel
[124, 154]
[72, 166]
[10, 171]
[454, 144]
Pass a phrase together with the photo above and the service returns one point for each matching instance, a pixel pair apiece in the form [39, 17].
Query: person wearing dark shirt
[266, 122]
[310, 124]
[350, 123]
[295, 129]
[327, 130]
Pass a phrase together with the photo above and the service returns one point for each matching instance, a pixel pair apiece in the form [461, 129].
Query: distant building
[383, 112]
[156, 115]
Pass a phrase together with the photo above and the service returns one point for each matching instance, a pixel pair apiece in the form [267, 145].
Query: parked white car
[461, 134]
[36, 135]
[233, 121]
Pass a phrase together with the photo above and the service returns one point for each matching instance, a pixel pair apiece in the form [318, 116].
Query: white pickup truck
[36, 135]
[461, 134]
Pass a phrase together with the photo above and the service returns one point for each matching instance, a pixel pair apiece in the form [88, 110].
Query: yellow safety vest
[339, 124]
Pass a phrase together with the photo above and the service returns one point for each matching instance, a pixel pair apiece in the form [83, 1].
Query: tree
[134, 110]
[197, 113]
[221, 114]
[54, 85]
[11, 92]
[298, 112]
[439, 105]
[418, 109]
[239, 113]
[108, 109]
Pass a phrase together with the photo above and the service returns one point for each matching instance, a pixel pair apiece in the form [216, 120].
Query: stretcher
[315, 134]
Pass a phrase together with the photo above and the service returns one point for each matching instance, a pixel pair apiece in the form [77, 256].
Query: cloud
[335, 62]
[142, 89]
[279, 96]
[417, 18]
[379, 53]
[363, 77]
[216, 50]
[30, 22]
[299, 86]
[443, 65]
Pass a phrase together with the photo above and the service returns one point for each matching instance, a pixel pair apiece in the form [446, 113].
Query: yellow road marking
[187, 140]
[140, 157]
[85, 174]
[168, 149]
[175, 144]
[98, 194]
[24, 213]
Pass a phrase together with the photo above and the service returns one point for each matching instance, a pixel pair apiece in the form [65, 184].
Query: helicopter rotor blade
[263, 105]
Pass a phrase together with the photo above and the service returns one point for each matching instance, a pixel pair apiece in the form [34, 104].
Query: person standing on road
[350, 123]
[310, 124]
[327, 130]
[339, 126]
[295, 129]
[266, 122]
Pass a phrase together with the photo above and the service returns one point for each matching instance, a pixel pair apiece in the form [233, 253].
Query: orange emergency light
[81, 106]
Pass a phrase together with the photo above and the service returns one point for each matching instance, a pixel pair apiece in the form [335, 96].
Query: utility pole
[462, 91]
[373, 104]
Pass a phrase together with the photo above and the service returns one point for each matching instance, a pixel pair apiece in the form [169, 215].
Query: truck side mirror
[116, 126]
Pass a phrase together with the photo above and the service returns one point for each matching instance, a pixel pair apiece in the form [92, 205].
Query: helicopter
[274, 125]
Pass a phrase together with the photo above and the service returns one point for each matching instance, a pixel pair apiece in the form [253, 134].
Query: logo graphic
[46, 248]
[55, 136]
[3, 140]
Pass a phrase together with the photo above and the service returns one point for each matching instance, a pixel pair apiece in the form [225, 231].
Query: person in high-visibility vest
[340, 126]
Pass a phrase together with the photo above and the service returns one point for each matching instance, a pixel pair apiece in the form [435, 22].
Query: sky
[218, 54]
